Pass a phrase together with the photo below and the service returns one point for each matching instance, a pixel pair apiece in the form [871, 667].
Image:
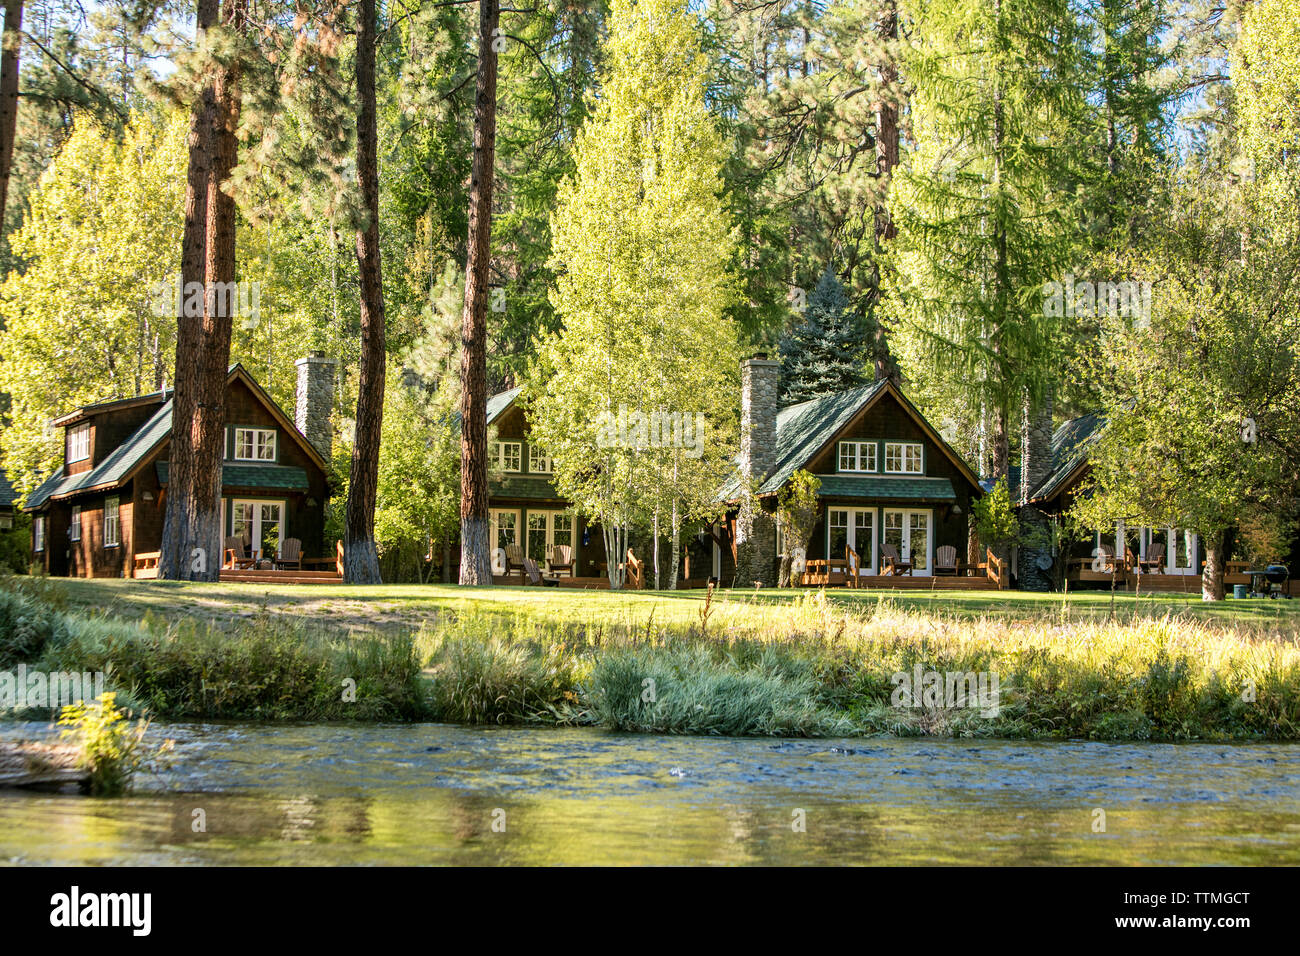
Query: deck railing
[996, 569]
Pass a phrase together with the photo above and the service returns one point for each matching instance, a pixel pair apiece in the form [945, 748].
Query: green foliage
[700, 691]
[641, 243]
[827, 352]
[103, 228]
[16, 545]
[985, 204]
[1203, 414]
[995, 517]
[796, 515]
[27, 625]
[109, 747]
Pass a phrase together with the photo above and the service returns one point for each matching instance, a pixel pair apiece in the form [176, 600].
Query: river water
[439, 794]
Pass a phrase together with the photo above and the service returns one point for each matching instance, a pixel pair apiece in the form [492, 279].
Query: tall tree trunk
[475, 560]
[183, 533]
[9, 96]
[887, 121]
[675, 565]
[655, 531]
[360, 559]
[1212, 576]
[1035, 466]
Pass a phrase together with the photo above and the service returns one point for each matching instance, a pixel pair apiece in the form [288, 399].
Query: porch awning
[273, 477]
[893, 489]
[529, 487]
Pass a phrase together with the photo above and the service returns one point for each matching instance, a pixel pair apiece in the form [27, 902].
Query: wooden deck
[312, 571]
[901, 582]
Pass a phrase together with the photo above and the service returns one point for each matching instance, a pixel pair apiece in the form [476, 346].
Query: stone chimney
[758, 391]
[755, 527]
[316, 401]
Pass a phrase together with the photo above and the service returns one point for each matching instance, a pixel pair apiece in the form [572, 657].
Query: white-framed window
[857, 456]
[74, 528]
[255, 444]
[79, 442]
[510, 455]
[112, 523]
[38, 533]
[903, 458]
[539, 463]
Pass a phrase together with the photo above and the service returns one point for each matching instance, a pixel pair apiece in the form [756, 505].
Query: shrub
[109, 747]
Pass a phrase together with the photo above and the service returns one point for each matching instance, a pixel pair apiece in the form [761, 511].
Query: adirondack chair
[1107, 558]
[289, 555]
[1154, 562]
[514, 558]
[891, 563]
[853, 567]
[537, 577]
[945, 560]
[237, 558]
[562, 559]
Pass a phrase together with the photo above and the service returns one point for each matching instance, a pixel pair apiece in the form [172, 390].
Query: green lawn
[406, 606]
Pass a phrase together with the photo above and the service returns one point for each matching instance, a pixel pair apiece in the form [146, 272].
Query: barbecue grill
[1272, 581]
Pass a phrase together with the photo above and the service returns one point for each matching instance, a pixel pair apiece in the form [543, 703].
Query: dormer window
[903, 458]
[254, 444]
[510, 455]
[539, 463]
[857, 456]
[79, 442]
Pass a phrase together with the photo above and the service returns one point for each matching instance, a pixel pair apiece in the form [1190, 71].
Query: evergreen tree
[825, 353]
[984, 204]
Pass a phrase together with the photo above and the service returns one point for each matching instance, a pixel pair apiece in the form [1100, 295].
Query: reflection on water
[366, 794]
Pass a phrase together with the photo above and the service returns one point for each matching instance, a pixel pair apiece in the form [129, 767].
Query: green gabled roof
[531, 487]
[911, 489]
[127, 457]
[7, 494]
[113, 469]
[498, 403]
[1070, 445]
[802, 430]
[274, 477]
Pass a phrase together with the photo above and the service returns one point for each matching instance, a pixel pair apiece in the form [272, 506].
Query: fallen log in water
[40, 766]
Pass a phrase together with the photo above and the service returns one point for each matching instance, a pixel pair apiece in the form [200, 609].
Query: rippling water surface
[432, 793]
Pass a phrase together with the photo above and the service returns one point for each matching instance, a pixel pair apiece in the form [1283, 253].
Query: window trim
[38, 534]
[75, 432]
[116, 542]
[74, 524]
[501, 456]
[920, 446]
[275, 444]
[859, 445]
[535, 453]
[255, 521]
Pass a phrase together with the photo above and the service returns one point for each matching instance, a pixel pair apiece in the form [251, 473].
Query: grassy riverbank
[745, 663]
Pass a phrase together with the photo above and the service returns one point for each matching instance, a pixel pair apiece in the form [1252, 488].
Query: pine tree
[825, 353]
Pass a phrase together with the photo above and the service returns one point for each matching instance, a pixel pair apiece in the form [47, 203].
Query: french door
[259, 523]
[856, 528]
[908, 531]
[545, 530]
[505, 531]
[1181, 549]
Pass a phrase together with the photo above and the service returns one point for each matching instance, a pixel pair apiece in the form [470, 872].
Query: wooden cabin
[102, 509]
